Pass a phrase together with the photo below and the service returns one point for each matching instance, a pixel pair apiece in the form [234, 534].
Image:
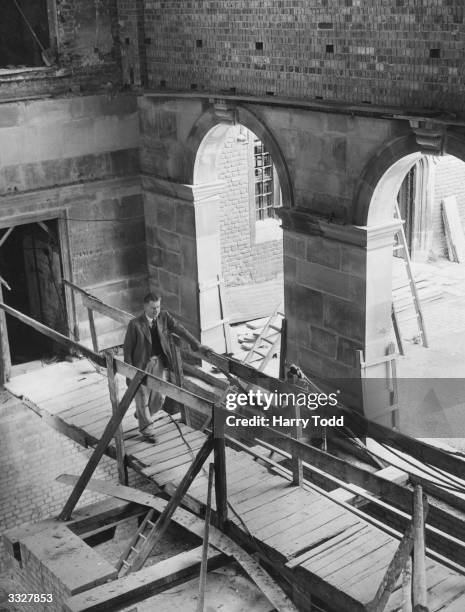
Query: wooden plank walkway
[333, 553]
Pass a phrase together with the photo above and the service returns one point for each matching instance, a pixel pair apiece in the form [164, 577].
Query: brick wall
[86, 35]
[450, 181]
[32, 456]
[404, 53]
[243, 261]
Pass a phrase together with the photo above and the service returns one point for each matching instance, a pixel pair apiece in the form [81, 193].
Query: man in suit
[146, 346]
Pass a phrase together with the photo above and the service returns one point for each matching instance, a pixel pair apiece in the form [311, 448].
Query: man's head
[152, 305]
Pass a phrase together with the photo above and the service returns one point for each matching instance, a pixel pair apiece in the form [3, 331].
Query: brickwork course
[406, 53]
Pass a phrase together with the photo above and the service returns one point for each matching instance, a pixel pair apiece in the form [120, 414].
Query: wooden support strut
[419, 590]
[119, 442]
[203, 566]
[164, 519]
[107, 435]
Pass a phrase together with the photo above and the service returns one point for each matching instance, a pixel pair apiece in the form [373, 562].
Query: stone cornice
[302, 221]
[181, 191]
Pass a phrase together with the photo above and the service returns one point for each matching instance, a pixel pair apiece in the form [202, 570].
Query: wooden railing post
[119, 442]
[219, 447]
[178, 372]
[419, 589]
[107, 435]
[296, 461]
[93, 332]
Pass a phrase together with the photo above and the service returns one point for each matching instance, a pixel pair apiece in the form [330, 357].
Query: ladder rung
[258, 353]
[136, 550]
[126, 564]
[141, 535]
[150, 523]
[275, 327]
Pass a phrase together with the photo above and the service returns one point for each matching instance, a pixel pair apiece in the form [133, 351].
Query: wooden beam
[93, 332]
[219, 540]
[107, 435]
[146, 583]
[221, 489]
[54, 335]
[93, 303]
[407, 586]
[164, 519]
[119, 442]
[419, 589]
[203, 566]
[393, 572]
[5, 359]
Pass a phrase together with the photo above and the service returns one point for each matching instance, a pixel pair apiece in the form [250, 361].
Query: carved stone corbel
[430, 135]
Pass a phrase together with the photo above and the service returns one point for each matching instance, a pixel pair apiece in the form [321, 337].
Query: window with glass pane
[263, 182]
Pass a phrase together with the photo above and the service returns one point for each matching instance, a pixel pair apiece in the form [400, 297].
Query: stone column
[338, 293]
[183, 252]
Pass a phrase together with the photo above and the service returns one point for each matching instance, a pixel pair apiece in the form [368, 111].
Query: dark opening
[18, 46]
[329, 48]
[199, 43]
[259, 46]
[30, 263]
[435, 53]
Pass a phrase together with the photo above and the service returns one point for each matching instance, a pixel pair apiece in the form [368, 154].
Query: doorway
[31, 266]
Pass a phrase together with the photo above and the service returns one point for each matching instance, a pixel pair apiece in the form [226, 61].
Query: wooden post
[282, 352]
[419, 589]
[296, 461]
[164, 519]
[119, 442]
[93, 332]
[221, 491]
[107, 435]
[5, 361]
[407, 586]
[204, 563]
[178, 373]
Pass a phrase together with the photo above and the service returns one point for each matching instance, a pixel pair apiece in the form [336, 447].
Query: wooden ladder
[132, 550]
[402, 245]
[267, 342]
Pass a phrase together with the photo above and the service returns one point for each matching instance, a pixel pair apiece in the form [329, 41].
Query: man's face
[152, 309]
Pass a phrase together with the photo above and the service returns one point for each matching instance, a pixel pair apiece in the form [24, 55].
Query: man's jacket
[138, 341]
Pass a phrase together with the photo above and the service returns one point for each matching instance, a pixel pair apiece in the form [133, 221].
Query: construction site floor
[335, 555]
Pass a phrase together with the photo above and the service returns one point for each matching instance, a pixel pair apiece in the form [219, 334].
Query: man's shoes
[149, 434]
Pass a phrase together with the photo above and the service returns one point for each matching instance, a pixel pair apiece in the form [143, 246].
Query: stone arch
[204, 143]
[384, 174]
[206, 137]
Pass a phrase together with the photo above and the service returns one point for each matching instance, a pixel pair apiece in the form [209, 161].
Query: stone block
[171, 261]
[324, 252]
[171, 302]
[324, 368]
[132, 205]
[207, 218]
[166, 217]
[354, 260]
[326, 280]
[344, 318]
[293, 245]
[290, 268]
[169, 283]
[346, 351]
[208, 257]
[189, 298]
[323, 341]
[306, 304]
[189, 257]
[125, 162]
[337, 123]
[185, 220]
[154, 256]
[168, 240]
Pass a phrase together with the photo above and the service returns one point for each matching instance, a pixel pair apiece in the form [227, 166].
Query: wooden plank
[5, 359]
[93, 332]
[203, 566]
[94, 304]
[147, 582]
[221, 493]
[119, 444]
[407, 586]
[419, 599]
[94, 460]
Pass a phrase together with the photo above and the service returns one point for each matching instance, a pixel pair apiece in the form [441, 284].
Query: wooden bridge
[313, 538]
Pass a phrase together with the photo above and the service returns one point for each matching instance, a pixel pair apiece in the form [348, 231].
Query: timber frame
[398, 498]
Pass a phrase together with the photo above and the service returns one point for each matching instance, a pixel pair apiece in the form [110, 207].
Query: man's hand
[205, 350]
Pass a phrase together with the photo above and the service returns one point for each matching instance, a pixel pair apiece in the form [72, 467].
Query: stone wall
[404, 53]
[76, 159]
[32, 456]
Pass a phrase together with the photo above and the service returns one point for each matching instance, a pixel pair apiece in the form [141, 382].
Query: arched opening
[427, 274]
[237, 190]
